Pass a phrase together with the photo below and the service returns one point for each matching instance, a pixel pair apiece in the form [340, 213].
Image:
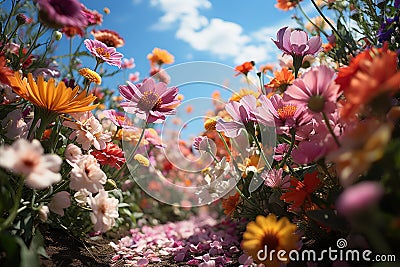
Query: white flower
[59, 202]
[88, 131]
[72, 153]
[43, 213]
[14, 125]
[82, 196]
[87, 174]
[25, 158]
[105, 211]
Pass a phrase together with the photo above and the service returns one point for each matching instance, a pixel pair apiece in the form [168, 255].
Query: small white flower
[59, 202]
[105, 211]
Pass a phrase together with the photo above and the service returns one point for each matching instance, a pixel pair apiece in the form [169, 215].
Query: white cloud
[224, 39]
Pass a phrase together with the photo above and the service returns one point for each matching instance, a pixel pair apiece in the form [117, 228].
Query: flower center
[30, 162]
[149, 101]
[316, 103]
[271, 241]
[286, 111]
[102, 52]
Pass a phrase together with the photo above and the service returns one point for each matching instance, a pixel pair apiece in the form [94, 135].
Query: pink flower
[128, 63]
[72, 153]
[275, 179]
[105, 211]
[242, 117]
[316, 91]
[149, 100]
[14, 125]
[27, 159]
[86, 173]
[359, 197]
[280, 151]
[112, 155]
[59, 202]
[203, 143]
[88, 131]
[103, 53]
[152, 136]
[296, 42]
[134, 77]
[118, 118]
[59, 13]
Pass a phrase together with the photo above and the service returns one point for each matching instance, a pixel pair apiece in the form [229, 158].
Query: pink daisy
[103, 53]
[275, 179]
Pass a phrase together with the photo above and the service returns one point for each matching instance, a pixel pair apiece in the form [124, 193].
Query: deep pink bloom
[280, 151]
[316, 90]
[104, 53]
[111, 155]
[359, 197]
[118, 118]
[242, 117]
[60, 13]
[149, 100]
[296, 42]
[274, 178]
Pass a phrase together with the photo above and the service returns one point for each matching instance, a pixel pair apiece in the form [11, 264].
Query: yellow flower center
[150, 101]
[102, 52]
[286, 112]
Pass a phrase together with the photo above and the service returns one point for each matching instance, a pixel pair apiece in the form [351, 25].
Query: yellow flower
[142, 160]
[91, 75]
[210, 124]
[243, 92]
[106, 10]
[51, 97]
[266, 234]
[160, 56]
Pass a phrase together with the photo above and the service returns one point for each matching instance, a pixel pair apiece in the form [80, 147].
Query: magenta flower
[296, 42]
[275, 179]
[149, 100]
[316, 90]
[242, 117]
[60, 13]
[280, 151]
[103, 53]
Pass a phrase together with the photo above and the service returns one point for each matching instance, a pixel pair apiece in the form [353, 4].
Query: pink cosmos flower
[274, 178]
[359, 197]
[242, 117]
[105, 211]
[149, 100]
[59, 202]
[27, 159]
[296, 42]
[128, 63]
[316, 91]
[88, 131]
[280, 151]
[86, 173]
[118, 118]
[59, 13]
[104, 53]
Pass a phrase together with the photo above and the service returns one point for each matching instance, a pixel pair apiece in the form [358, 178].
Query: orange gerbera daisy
[282, 80]
[160, 56]
[229, 204]
[108, 37]
[301, 191]
[286, 4]
[5, 71]
[245, 68]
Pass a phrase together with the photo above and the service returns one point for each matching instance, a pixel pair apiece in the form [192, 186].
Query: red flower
[244, 68]
[111, 155]
[301, 190]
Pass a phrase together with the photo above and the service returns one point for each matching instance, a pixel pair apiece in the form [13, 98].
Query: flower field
[293, 162]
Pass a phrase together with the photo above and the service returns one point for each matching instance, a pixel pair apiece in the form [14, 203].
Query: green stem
[330, 129]
[14, 210]
[292, 141]
[315, 25]
[7, 22]
[261, 152]
[40, 31]
[138, 144]
[116, 132]
[229, 151]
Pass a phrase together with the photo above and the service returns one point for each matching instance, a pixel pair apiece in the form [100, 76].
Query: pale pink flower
[118, 118]
[43, 213]
[86, 173]
[72, 153]
[203, 143]
[359, 197]
[27, 159]
[14, 125]
[274, 178]
[88, 131]
[316, 91]
[128, 63]
[104, 53]
[105, 211]
[160, 74]
[134, 77]
[81, 196]
[59, 202]
[296, 42]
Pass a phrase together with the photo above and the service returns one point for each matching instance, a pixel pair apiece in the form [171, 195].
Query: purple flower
[359, 197]
[296, 42]
[149, 100]
[60, 13]
[103, 53]
[387, 29]
[241, 115]
[275, 179]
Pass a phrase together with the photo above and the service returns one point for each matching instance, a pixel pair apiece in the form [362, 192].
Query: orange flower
[282, 80]
[108, 37]
[245, 68]
[286, 4]
[5, 72]
[301, 191]
[371, 74]
[267, 67]
[229, 204]
[160, 56]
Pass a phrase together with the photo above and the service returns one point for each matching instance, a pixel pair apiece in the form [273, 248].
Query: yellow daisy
[91, 75]
[243, 92]
[267, 234]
